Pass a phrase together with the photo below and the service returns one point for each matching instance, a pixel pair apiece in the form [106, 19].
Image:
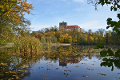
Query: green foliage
[12, 20]
[6, 34]
[81, 38]
[50, 39]
[96, 47]
[103, 53]
[110, 52]
[107, 62]
[117, 53]
[114, 6]
[43, 40]
[27, 43]
[99, 45]
[53, 39]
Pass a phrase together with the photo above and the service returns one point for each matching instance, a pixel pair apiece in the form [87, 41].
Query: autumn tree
[12, 16]
[65, 38]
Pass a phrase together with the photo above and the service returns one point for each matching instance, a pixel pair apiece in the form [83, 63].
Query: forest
[53, 35]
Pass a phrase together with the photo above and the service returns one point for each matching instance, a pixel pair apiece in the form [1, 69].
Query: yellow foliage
[85, 39]
[91, 38]
[13, 10]
[65, 38]
[61, 39]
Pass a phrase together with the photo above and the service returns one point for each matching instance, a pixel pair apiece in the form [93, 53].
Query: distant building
[63, 24]
[69, 27]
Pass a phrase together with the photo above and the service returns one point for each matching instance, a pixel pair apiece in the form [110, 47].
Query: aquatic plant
[27, 44]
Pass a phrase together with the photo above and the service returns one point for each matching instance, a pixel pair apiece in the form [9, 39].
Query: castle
[69, 27]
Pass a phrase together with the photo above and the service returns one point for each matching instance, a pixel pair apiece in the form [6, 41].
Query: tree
[11, 11]
[65, 38]
[114, 6]
[75, 39]
[12, 16]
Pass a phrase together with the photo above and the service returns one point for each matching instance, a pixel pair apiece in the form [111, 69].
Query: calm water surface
[59, 63]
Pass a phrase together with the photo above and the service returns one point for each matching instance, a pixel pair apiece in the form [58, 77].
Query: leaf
[96, 47]
[115, 9]
[104, 59]
[117, 63]
[109, 19]
[111, 8]
[104, 64]
[110, 52]
[100, 45]
[117, 53]
[107, 27]
[118, 15]
[103, 53]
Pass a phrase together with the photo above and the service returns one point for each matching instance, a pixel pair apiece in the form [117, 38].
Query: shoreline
[61, 44]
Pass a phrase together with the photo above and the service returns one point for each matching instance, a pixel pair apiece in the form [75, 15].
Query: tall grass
[27, 45]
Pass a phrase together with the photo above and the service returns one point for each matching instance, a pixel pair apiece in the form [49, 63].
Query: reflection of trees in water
[71, 54]
[15, 66]
[117, 63]
[111, 59]
[75, 54]
[109, 62]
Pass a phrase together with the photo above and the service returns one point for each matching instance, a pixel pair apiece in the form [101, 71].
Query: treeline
[54, 35]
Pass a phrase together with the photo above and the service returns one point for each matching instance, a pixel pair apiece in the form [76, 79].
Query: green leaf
[117, 63]
[110, 52]
[109, 19]
[117, 54]
[118, 15]
[111, 8]
[104, 59]
[103, 53]
[96, 47]
[110, 64]
[104, 64]
[115, 9]
[107, 27]
[100, 45]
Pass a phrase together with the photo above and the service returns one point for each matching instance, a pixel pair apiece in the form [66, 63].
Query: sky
[49, 13]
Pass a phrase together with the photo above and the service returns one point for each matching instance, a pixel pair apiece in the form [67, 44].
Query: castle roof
[72, 26]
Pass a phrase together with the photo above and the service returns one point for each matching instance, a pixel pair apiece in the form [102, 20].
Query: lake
[59, 63]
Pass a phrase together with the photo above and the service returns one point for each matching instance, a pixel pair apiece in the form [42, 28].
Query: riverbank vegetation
[74, 36]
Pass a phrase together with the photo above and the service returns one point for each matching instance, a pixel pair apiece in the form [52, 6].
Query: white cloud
[94, 25]
[38, 27]
[78, 0]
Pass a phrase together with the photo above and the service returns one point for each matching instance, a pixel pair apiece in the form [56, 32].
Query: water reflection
[15, 66]
[53, 63]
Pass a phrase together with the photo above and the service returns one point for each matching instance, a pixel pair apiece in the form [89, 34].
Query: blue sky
[49, 13]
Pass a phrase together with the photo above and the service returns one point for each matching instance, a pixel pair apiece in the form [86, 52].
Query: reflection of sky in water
[86, 69]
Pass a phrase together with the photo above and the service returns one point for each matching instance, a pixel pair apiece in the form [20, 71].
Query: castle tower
[62, 24]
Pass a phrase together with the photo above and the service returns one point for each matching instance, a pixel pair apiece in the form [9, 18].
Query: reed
[27, 45]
